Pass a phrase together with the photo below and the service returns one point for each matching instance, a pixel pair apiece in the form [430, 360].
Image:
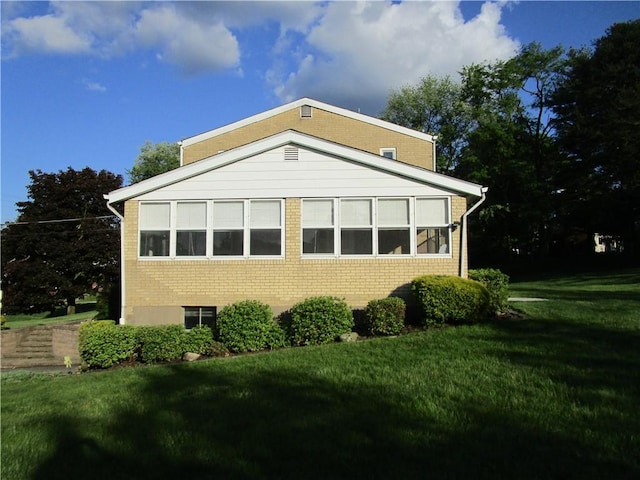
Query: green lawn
[553, 395]
[84, 311]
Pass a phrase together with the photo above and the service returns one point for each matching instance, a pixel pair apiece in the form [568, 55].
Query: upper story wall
[323, 124]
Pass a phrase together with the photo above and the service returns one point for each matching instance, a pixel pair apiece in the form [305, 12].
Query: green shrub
[103, 344]
[217, 349]
[385, 316]
[245, 326]
[319, 320]
[197, 340]
[498, 285]
[160, 343]
[276, 337]
[448, 299]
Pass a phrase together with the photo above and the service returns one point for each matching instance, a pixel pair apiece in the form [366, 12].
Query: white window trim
[375, 227]
[387, 150]
[246, 228]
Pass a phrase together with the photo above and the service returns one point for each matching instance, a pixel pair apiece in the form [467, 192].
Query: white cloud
[359, 51]
[47, 33]
[193, 45]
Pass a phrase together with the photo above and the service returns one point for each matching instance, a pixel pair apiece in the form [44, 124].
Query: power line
[61, 220]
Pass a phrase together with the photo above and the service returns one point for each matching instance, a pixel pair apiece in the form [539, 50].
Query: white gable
[312, 174]
[323, 168]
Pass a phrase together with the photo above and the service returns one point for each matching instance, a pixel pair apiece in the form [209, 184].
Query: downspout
[433, 152]
[463, 233]
[122, 320]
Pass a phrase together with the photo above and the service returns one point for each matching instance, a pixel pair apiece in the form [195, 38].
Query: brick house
[305, 199]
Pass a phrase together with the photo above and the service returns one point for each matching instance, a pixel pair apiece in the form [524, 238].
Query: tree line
[552, 133]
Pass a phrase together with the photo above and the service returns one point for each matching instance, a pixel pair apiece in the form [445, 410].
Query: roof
[291, 137]
[297, 104]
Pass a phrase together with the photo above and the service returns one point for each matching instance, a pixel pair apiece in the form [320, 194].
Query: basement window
[199, 317]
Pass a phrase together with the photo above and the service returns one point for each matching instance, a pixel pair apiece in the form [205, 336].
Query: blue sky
[87, 83]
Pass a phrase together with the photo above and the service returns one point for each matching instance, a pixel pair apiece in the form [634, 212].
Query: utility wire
[61, 220]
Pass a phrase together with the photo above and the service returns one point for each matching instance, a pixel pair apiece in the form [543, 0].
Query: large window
[265, 227]
[376, 226]
[432, 226]
[228, 228]
[318, 232]
[191, 229]
[155, 229]
[211, 228]
[356, 227]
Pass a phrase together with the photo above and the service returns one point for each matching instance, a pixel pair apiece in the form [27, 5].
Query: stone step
[31, 362]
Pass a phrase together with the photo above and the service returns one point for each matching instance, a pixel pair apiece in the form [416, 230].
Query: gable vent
[305, 111]
[290, 154]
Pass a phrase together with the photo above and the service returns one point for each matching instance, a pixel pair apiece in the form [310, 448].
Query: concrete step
[24, 362]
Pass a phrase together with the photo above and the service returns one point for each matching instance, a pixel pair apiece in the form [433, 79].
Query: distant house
[305, 199]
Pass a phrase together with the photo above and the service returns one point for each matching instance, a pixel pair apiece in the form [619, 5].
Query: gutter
[463, 239]
[121, 321]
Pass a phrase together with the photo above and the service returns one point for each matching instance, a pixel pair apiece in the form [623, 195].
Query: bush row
[104, 344]
[249, 325]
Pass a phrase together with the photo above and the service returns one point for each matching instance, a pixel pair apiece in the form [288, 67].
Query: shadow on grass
[201, 423]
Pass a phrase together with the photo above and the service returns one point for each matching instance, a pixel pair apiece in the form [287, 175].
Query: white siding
[314, 174]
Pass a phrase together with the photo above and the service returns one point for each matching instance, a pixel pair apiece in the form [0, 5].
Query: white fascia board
[297, 104]
[306, 141]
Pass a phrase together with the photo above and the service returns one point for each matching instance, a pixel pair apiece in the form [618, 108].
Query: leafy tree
[511, 150]
[65, 242]
[598, 113]
[433, 106]
[153, 160]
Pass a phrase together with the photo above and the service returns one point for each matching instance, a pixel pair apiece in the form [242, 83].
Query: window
[318, 235]
[155, 223]
[376, 226]
[356, 228]
[265, 233]
[191, 229]
[199, 316]
[306, 111]
[389, 152]
[394, 227]
[432, 226]
[228, 228]
[210, 229]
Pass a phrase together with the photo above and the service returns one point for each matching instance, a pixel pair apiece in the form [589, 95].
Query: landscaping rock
[190, 357]
[349, 337]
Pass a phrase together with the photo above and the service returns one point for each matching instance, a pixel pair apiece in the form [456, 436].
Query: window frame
[392, 150]
[211, 229]
[376, 227]
[201, 309]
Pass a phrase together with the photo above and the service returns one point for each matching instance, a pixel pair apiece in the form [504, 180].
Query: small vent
[290, 154]
[305, 111]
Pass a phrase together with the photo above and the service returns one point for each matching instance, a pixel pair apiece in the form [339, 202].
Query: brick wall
[156, 289]
[323, 124]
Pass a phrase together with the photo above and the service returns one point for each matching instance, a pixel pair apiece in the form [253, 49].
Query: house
[302, 200]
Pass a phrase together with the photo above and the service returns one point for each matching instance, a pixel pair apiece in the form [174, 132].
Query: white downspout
[122, 320]
[463, 233]
[433, 153]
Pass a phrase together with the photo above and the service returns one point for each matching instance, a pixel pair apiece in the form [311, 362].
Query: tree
[65, 242]
[598, 119]
[153, 160]
[433, 106]
[511, 150]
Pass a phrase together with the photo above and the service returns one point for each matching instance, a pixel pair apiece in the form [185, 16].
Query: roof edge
[185, 142]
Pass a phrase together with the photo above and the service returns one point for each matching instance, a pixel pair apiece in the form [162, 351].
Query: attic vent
[305, 111]
[290, 154]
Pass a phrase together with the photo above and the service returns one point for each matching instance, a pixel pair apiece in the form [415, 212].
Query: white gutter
[433, 153]
[121, 321]
[463, 238]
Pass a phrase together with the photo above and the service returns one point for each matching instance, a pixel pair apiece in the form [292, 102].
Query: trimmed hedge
[385, 316]
[448, 299]
[498, 285]
[160, 343]
[103, 344]
[248, 326]
[318, 320]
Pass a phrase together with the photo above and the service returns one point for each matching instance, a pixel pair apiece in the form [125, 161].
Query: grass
[84, 311]
[553, 395]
